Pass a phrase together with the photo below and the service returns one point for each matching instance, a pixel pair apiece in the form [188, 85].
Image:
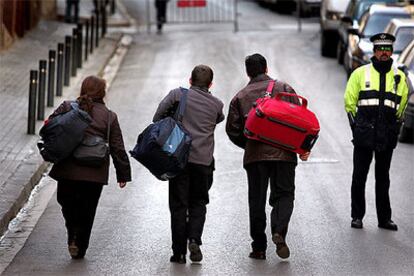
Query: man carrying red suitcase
[264, 163]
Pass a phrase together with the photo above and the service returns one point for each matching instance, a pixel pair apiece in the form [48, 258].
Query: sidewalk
[21, 166]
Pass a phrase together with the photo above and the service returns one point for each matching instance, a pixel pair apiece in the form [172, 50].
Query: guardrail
[195, 12]
[70, 56]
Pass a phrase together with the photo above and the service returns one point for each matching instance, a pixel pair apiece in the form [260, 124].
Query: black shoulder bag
[94, 150]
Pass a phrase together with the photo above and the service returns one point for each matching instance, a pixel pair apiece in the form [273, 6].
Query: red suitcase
[282, 124]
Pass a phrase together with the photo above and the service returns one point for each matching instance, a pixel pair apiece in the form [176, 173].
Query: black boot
[356, 223]
[389, 225]
[178, 258]
[258, 255]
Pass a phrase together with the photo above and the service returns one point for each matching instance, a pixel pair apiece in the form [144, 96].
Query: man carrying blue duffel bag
[188, 191]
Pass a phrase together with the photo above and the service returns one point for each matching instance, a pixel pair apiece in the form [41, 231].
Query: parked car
[353, 13]
[403, 30]
[406, 62]
[359, 51]
[308, 7]
[331, 13]
[281, 5]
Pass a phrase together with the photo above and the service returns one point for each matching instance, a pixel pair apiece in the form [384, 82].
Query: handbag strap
[109, 127]
[179, 113]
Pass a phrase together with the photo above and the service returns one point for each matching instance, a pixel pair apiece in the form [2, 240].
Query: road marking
[317, 160]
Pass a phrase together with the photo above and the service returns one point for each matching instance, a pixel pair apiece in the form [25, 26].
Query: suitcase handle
[281, 94]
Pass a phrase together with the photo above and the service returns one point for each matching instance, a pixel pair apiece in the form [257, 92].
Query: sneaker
[195, 251]
[178, 258]
[282, 250]
[258, 255]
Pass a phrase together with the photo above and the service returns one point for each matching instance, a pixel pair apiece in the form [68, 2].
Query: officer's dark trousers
[362, 161]
[79, 200]
[188, 197]
[282, 194]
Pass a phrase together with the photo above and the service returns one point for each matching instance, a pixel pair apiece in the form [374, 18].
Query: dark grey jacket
[202, 113]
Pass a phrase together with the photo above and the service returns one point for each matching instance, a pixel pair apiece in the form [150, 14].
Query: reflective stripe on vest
[375, 102]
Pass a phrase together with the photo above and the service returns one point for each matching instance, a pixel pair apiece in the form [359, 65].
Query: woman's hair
[92, 90]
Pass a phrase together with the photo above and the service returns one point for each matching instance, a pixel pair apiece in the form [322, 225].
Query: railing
[195, 12]
[68, 57]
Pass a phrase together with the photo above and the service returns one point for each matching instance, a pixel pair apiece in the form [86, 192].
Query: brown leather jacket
[68, 170]
[240, 106]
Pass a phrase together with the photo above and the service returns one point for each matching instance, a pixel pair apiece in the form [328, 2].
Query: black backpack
[163, 147]
[63, 133]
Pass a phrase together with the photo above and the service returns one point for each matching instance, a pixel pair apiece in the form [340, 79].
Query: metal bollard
[31, 116]
[104, 19]
[74, 52]
[80, 43]
[59, 70]
[86, 39]
[68, 60]
[92, 33]
[41, 96]
[51, 78]
[97, 23]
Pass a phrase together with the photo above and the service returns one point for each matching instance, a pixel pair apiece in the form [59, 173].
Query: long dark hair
[92, 90]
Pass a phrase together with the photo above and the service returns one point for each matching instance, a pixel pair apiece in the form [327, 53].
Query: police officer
[375, 100]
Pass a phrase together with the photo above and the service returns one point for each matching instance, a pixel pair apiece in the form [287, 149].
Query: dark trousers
[79, 200]
[188, 197]
[161, 7]
[282, 194]
[72, 4]
[362, 161]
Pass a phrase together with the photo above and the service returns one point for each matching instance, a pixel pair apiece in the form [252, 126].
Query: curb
[31, 169]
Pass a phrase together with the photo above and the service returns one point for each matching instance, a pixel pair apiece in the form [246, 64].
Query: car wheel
[340, 52]
[327, 49]
[406, 135]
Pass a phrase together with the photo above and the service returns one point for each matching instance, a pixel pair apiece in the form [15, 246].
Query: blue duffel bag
[163, 147]
[63, 133]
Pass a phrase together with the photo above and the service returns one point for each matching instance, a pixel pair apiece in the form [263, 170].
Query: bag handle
[281, 94]
[179, 113]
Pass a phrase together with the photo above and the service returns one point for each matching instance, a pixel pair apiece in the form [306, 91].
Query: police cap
[382, 39]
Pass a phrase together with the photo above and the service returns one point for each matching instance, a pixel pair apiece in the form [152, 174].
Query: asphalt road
[131, 234]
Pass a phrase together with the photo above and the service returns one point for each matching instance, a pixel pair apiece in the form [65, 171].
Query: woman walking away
[79, 184]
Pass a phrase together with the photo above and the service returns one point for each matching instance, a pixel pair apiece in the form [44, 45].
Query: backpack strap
[179, 113]
[108, 131]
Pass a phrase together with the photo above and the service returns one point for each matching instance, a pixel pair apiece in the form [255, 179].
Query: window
[403, 36]
[378, 21]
